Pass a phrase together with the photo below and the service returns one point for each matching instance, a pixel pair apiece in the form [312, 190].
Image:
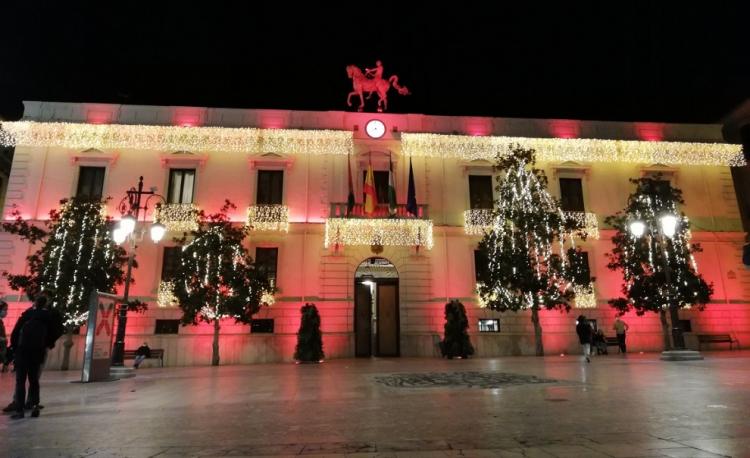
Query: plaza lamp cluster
[667, 228]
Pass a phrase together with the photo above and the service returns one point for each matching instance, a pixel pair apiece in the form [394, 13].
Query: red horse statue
[372, 81]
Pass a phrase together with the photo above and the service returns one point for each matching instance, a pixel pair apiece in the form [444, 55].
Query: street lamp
[667, 229]
[130, 206]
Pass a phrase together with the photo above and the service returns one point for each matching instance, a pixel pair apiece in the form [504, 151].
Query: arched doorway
[376, 314]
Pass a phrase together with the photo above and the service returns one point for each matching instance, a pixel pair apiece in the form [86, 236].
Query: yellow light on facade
[378, 231]
[178, 217]
[585, 296]
[268, 218]
[267, 299]
[165, 296]
[588, 221]
[477, 221]
[175, 138]
[471, 148]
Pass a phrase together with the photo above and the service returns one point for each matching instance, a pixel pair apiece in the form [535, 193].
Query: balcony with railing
[177, 217]
[379, 228]
[477, 221]
[269, 217]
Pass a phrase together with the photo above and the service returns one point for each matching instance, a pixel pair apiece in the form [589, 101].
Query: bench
[716, 338]
[612, 342]
[156, 353]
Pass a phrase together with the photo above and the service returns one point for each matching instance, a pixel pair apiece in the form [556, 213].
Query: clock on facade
[375, 128]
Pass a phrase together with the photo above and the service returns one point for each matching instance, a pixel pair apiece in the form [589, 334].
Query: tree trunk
[215, 356]
[67, 345]
[665, 330]
[537, 331]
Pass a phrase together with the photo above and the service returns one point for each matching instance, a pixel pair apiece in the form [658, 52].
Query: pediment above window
[183, 160]
[571, 169]
[93, 157]
[270, 161]
[666, 172]
[477, 167]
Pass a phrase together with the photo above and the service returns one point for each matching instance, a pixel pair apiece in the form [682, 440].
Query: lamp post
[667, 228]
[130, 207]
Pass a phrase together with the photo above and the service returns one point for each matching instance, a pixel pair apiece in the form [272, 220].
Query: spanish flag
[371, 197]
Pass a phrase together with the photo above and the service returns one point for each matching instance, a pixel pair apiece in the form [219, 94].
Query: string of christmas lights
[297, 141]
[585, 296]
[177, 217]
[588, 222]
[175, 138]
[470, 148]
[165, 296]
[267, 299]
[477, 221]
[378, 231]
[268, 218]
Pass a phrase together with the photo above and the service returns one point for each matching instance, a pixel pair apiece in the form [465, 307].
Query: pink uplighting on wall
[650, 131]
[98, 117]
[478, 126]
[565, 128]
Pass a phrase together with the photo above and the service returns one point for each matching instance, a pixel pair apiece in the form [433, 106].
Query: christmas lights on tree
[658, 268]
[216, 277]
[77, 256]
[532, 259]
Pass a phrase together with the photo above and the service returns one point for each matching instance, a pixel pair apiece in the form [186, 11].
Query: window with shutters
[90, 182]
[270, 187]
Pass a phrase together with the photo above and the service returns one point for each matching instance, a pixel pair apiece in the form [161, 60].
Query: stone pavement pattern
[634, 406]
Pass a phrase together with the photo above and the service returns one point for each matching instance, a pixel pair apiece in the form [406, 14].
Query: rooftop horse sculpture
[372, 81]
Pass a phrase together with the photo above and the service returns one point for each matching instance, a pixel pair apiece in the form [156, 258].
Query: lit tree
[659, 272]
[216, 277]
[530, 248]
[77, 256]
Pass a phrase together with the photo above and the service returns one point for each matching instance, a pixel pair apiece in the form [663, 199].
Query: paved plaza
[634, 406]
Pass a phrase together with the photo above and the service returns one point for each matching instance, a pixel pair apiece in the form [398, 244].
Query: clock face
[375, 128]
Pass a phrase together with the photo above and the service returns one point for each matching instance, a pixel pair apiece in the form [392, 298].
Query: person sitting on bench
[142, 353]
[600, 342]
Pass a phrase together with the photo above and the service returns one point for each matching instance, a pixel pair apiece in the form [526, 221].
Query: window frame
[176, 249]
[81, 169]
[275, 278]
[181, 171]
[560, 180]
[272, 171]
[479, 176]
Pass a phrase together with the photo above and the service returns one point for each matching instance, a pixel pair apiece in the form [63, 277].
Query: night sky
[649, 61]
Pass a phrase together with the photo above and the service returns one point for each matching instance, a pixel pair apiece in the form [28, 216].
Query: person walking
[36, 331]
[584, 331]
[620, 328]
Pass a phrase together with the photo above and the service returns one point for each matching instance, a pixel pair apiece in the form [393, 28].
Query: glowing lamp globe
[157, 232]
[668, 225]
[119, 235]
[637, 228]
[127, 224]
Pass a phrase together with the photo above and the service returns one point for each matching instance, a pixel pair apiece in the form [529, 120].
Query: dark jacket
[584, 331]
[143, 350]
[51, 319]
